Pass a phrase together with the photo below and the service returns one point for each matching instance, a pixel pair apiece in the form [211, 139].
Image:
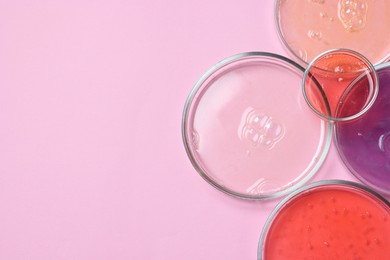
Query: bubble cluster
[315, 35]
[339, 69]
[260, 129]
[353, 14]
[195, 139]
[324, 15]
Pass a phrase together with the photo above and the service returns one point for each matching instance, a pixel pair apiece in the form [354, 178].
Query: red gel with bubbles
[333, 221]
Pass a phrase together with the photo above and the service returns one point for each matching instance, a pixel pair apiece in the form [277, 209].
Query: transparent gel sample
[248, 130]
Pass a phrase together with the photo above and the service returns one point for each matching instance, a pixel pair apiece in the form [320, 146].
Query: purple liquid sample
[364, 144]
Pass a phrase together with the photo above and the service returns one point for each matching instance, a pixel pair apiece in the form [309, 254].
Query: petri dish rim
[295, 195]
[185, 117]
[345, 161]
[281, 37]
[371, 67]
[288, 47]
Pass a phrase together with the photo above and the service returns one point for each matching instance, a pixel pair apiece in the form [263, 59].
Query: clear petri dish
[247, 129]
[331, 219]
[340, 78]
[364, 144]
[310, 27]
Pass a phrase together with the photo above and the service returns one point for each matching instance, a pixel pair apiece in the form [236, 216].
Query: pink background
[92, 164]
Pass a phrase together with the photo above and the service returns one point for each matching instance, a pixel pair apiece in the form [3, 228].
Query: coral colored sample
[330, 83]
[331, 221]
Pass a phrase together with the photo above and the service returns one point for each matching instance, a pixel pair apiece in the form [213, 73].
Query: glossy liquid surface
[364, 144]
[251, 131]
[330, 84]
[310, 27]
[330, 222]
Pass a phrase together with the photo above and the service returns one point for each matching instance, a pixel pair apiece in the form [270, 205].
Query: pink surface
[92, 164]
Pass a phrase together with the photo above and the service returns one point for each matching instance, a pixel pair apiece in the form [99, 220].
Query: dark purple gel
[364, 144]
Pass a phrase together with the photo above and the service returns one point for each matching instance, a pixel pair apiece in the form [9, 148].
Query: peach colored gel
[310, 27]
[330, 222]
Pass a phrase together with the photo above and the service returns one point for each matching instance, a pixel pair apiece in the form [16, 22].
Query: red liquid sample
[330, 83]
[330, 222]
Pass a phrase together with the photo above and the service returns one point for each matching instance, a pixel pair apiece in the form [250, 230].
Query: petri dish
[330, 81]
[247, 129]
[331, 219]
[364, 144]
[310, 27]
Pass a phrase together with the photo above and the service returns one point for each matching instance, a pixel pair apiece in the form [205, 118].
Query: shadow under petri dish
[310, 27]
[364, 144]
[247, 128]
[328, 220]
